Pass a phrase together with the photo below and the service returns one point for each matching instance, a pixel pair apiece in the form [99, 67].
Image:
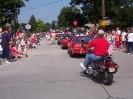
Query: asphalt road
[49, 73]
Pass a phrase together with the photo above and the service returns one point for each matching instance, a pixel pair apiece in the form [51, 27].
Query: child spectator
[15, 53]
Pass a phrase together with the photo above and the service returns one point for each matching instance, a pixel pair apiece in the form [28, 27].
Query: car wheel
[61, 46]
[68, 50]
[71, 54]
[58, 42]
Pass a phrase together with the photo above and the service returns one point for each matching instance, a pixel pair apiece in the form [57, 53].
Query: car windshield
[79, 39]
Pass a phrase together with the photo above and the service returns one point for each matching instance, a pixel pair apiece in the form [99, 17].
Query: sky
[46, 10]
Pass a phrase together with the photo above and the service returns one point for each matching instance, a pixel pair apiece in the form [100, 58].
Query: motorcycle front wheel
[107, 78]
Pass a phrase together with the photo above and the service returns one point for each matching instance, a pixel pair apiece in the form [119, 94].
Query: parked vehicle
[60, 37]
[75, 45]
[64, 41]
[104, 68]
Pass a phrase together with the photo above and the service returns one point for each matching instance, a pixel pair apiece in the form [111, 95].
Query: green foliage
[101, 27]
[33, 23]
[9, 9]
[68, 15]
[40, 26]
[119, 11]
[47, 26]
[53, 24]
[15, 26]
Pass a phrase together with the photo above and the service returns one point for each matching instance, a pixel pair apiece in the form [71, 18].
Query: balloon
[75, 23]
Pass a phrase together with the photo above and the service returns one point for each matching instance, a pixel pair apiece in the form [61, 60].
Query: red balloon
[75, 23]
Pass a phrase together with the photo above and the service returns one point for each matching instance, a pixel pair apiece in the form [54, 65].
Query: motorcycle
[105, 68]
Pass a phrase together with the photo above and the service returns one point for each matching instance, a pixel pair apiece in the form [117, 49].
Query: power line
[39, 6]
[43, 18]
[48, 16]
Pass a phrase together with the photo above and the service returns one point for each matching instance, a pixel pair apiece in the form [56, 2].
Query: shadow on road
[93, 78]
[77, 56]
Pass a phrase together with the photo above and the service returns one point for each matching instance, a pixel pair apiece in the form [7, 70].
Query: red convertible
[64, 42]
[75, 45]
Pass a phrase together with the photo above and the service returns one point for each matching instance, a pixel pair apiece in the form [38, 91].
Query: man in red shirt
[100, 46]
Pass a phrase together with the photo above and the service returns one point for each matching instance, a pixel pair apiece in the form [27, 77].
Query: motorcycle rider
[100, 45]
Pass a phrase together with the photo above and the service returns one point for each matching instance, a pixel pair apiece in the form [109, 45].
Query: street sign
[104, 23]
[28, 26]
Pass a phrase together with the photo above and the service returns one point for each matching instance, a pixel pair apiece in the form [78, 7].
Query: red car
[64, 41]
[60, 37]
[75, 45]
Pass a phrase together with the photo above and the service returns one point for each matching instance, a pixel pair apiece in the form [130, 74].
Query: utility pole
[103, 10]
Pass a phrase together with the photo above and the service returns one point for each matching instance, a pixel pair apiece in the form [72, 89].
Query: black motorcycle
[104, 68]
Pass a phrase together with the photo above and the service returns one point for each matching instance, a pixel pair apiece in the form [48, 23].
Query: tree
[33, 23]
[119, 11]
[48, 26]
[53, 24]
[40, 26]
[68, 15]
[57, 25]
[15, 26]
[9, 10]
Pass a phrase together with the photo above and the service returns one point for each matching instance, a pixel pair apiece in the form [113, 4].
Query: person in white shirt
[118, 31]
[123, 34]
[130, 41]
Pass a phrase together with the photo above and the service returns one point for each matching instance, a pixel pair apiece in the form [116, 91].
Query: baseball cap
[101, 32]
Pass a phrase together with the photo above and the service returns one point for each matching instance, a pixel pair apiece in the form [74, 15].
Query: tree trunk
[15, 14]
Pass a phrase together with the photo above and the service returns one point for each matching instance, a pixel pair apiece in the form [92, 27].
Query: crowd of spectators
[121, 40]
[15, 45]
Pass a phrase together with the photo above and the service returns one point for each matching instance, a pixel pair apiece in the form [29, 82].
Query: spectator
[11, 32]
[33, 42]
[29, 41]
[15, 53]
[113, 32]
[117, 41]
[6, 39]
[109, 37]
[123, 40]
[118, 31]
[17, 33]
[130, 41]
[126, 42]
[37, 40]
[48, 36]
[53, 37]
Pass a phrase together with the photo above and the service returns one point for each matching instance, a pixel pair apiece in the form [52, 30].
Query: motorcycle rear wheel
[107, 78]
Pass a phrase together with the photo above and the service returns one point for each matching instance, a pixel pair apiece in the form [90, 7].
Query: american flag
[110, 50]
